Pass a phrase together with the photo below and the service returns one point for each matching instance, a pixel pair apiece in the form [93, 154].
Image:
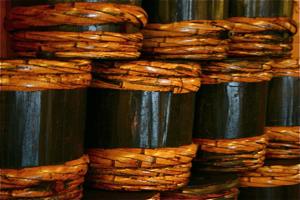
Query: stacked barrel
[142, 124]
[195, 34]
[42, 128]
[139, 138]
[140, 119]
[43, 98]
[280, 176]
[269, 34]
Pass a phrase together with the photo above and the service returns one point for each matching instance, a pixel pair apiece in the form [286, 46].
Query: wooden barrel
[230, 116]
[131, 106]
[42, 120]
[139, 127]
[230, 107]
[42, 111]
[283, 114]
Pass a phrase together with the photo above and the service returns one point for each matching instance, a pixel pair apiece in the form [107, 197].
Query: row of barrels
[143, 124]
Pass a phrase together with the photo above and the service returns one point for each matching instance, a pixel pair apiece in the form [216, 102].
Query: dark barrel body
[284, 102]
[139, 119]
[261, 8]
[230, 110]
[41, 127]
[168, 11]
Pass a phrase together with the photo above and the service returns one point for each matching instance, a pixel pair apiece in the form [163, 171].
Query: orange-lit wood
[296, 37]
[4, 40]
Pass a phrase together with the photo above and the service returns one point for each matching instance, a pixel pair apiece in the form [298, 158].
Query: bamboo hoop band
[196, 39]
[148, 76]
[76, 13]
[285, 67]
[271, 176]
[235, 71]
[45, 182]
[135, 169]
[261, 36]
[284, 142]
[231, 194]
[38, 74]
[231, 155]
[252, 25]
[89, 44]
[206, 187]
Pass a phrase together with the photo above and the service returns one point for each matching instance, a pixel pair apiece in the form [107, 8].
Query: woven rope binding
[284, 142]
[231, 155]
[38, 74]
[231, 194]
[76, 13]
[261, 36]
[45, 182]
[285, 67]
[235, 71]
[147, 76]
[136, 169]
[89, 44]
[272, 176]
[198, 39]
